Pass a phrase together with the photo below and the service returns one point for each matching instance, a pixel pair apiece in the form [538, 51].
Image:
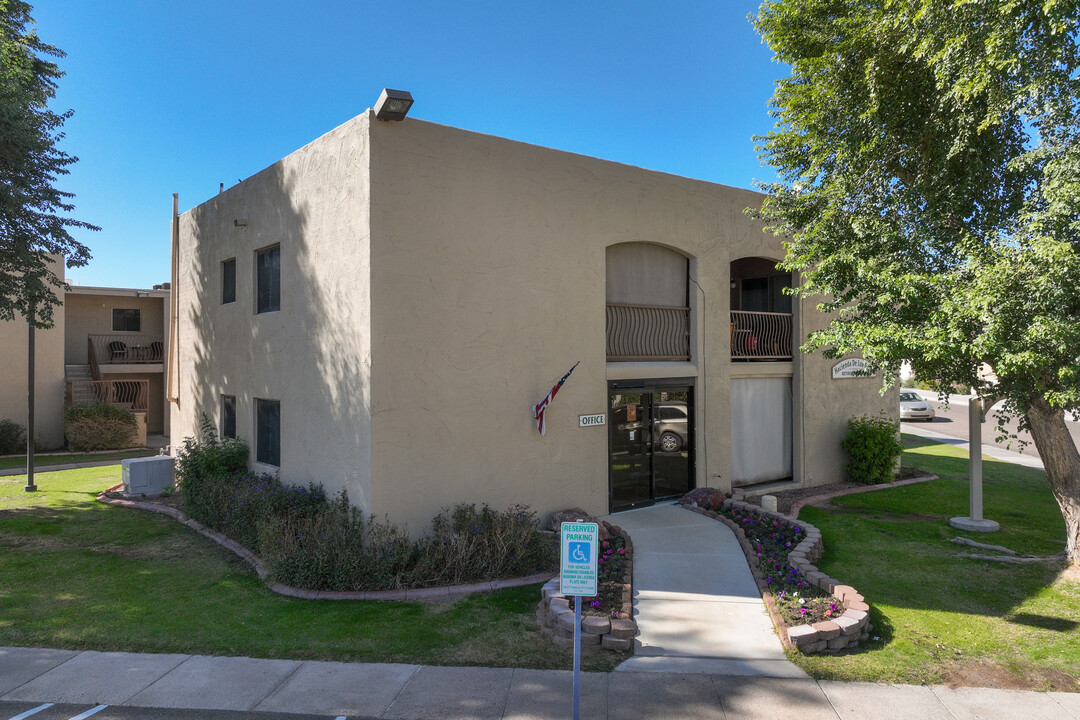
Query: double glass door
[650, 442]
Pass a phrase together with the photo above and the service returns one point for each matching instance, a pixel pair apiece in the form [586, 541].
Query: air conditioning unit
[147, 476]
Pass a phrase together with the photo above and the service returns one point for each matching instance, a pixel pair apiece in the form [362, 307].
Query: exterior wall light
[393, 105]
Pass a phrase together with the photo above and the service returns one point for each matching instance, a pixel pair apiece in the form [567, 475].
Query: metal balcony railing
[760, 335]
[126, 349]
[647, 332]
[131, 394]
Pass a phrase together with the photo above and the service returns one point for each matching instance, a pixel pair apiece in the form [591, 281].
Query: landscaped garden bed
[605, 617]
[813, 612]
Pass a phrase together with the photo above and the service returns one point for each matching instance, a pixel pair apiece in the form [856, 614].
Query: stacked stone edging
[556, 618]
[282, 589]
[846, 631]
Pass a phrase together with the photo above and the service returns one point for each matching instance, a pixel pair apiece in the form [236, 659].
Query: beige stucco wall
[435, 284]
[826, 406]
[48, 377]
[314, 354]
[488, 283]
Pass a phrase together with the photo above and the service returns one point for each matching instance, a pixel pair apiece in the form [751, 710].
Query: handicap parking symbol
[579, 552]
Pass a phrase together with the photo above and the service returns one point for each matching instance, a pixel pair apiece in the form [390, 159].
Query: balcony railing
[647, 332]
[760, 335]
[126, 349]
[131, 394]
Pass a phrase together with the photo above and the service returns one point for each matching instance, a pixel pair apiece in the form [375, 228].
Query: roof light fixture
[393, 105]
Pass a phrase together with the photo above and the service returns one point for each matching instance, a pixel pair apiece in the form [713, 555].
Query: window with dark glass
[268, 280]
[228, 281]
[268, 432]
[228, 416]
[126, 320]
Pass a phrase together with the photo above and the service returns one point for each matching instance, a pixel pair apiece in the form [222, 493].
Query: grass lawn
[79, 574]
[941, 618]
[41, 461]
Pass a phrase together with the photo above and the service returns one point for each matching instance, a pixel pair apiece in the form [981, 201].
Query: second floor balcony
[125, 349]
[647, 332]
[760, 336]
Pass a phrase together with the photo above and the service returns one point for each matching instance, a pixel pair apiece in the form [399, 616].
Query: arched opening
[762, 397]
[761, 318]
[648, 309]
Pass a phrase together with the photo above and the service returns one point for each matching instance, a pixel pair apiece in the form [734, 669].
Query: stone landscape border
[556, 617]
[432, 593]
[847, 631]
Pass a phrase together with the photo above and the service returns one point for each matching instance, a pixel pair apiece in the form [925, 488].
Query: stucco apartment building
[380, 310]
[106, 345]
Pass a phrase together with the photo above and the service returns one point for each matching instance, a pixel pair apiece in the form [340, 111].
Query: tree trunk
[1062, 462]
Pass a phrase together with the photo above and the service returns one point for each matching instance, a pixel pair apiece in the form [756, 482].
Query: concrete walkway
[695, 601]
[31, 677]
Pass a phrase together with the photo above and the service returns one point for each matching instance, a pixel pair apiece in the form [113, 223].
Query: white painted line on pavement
[34, 711]
[88, 713]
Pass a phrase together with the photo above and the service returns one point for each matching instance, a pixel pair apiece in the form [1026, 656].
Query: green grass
[80, 574]
[941, 618]
[46, 460]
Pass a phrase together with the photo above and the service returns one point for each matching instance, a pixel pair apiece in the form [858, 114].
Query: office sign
[578, 566]
[591, 420]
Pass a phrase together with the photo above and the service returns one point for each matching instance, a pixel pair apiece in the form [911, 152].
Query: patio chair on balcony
[117, 351]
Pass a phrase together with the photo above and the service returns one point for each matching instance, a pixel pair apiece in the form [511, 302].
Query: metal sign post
[975, 522]
[577, 577]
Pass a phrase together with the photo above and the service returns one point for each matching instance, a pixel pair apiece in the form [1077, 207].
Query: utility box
[147, 476]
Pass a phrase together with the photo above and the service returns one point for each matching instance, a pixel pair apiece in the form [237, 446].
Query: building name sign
[850, 368]
[590, 420]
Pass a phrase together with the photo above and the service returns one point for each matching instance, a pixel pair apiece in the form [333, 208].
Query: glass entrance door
[650, 442]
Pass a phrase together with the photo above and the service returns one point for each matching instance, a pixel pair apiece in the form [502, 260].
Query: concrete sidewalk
[353, 690]
[695, 600]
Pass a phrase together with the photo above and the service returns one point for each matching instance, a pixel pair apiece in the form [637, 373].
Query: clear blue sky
[179, 97]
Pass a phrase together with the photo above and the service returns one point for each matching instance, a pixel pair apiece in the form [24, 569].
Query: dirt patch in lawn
[979, 673]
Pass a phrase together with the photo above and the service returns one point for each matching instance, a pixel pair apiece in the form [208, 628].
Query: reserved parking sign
[578, 562]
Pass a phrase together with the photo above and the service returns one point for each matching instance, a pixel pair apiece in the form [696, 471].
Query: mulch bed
[786, 498]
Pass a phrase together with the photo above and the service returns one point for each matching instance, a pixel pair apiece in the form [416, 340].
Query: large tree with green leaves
[33, 212]
[929, 161]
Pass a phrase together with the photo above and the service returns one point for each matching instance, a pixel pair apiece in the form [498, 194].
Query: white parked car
[913, 407]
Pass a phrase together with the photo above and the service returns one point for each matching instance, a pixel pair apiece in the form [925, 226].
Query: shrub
[873, 447]
[467, 545]
[12, 437]
[202, 464]
[335, 549]
[99, 427]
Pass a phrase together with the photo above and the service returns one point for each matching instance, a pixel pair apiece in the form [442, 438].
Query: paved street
[954, 423]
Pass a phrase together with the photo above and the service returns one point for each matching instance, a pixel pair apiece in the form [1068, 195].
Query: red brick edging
[281, 589]
[847, 631]
[617, 634]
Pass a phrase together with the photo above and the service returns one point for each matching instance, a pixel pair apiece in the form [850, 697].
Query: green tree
[929, 192]
[33, 212]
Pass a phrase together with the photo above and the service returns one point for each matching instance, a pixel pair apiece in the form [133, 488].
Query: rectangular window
[268, 280]
[126, 320]
[228, 416]
[228, 281]
[268, 432]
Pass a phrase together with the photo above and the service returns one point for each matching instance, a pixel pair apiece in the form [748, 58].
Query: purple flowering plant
[612, 566]
[797, 599]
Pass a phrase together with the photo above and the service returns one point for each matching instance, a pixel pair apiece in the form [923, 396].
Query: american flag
[538, 409]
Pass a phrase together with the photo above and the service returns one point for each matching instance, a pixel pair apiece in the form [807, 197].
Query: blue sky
[179, 97]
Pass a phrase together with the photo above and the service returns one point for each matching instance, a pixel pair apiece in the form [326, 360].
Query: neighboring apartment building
[380, 310]
[106, 345]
